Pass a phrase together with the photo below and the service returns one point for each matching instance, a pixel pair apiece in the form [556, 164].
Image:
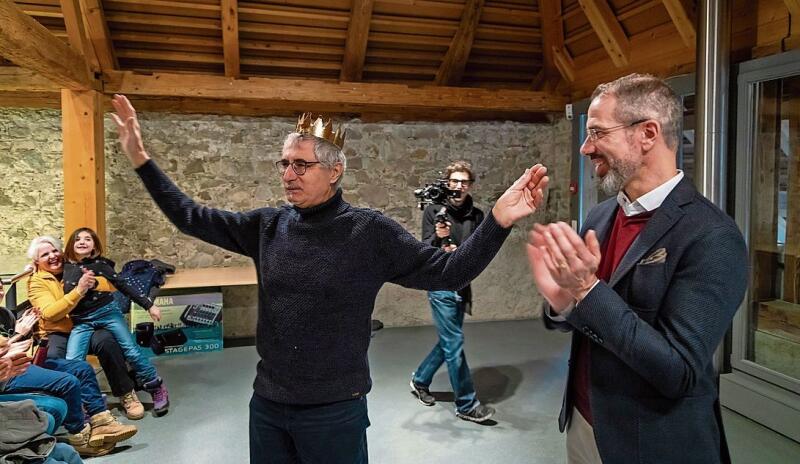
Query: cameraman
[447, 226]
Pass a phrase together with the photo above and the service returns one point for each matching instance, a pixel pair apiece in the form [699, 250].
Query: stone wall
[227, 162]
[32, 195]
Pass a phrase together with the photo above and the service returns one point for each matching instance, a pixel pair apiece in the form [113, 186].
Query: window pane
[774, 331]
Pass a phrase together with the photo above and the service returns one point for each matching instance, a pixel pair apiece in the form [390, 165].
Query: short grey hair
[644, 96]
[328, 154]
[33, 249]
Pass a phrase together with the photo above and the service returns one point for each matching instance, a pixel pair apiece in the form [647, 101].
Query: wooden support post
[84, 163]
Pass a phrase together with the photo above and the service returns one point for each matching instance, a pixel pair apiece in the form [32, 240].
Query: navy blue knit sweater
[319, 271]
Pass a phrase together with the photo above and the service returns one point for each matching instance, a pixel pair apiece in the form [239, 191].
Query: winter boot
[107, 429]
[160, 395]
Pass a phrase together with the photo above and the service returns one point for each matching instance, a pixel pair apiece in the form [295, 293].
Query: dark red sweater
[623, 233]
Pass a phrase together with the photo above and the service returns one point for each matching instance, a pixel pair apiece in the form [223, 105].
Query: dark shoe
[160, 395]
[422, 393]
[481, 413]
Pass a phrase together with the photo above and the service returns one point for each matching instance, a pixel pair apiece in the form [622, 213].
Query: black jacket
[464, 220]
[102, 267]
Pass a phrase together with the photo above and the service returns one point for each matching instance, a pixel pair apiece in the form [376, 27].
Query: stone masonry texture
[227, 162]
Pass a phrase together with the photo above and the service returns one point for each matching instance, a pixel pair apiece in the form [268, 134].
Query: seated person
[72, 381]
[99, 310]
[55, 408]
[45, 291]
[28, 441]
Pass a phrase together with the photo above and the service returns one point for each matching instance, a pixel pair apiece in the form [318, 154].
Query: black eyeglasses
[453, 183]
[298, 166]
[596, 133]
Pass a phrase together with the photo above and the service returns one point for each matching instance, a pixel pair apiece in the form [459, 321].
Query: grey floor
[518, 367]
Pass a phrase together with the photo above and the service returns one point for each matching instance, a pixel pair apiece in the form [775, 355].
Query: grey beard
[619, 172]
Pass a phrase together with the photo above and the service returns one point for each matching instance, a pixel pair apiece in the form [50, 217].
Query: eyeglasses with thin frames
[454, 183]
[596, 133]
[298, 166]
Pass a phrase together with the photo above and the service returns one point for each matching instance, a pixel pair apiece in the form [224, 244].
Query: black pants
[334, 433]
[107, 350]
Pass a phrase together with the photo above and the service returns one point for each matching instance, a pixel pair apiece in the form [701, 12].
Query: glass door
[765, 380]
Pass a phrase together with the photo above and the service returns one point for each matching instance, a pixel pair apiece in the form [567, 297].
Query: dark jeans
[334, 433]
[105, 347]
[72, 381]
[448, 315]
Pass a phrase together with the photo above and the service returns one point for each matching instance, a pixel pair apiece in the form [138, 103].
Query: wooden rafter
[230, 37]
[608, 29]
[27, 43]
[341, 97]
[794, 7]
[683, 21]
[564, 63]
[76, 32]
[99, 35]
[452, 68]
[552, 37]
[355, 49]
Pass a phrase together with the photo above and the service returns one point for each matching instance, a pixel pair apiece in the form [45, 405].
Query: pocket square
[658, 256]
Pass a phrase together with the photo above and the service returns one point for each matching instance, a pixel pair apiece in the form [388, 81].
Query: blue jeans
[55, 408]
[334, 433]
[114, 322]
[448, 316]
[72, 381]
[63, 454]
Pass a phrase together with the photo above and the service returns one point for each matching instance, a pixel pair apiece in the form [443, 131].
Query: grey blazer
[654, 329]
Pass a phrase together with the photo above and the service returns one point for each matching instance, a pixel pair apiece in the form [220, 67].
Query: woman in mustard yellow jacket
[45, 291]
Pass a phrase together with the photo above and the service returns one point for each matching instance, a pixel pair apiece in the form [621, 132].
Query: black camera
[437, 192]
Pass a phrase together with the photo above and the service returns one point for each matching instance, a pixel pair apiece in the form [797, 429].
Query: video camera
[436, 192]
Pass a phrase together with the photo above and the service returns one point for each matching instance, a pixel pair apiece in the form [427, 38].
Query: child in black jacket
[98, 309]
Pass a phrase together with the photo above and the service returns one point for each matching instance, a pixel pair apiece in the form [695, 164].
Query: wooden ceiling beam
[794, 7]
[455, 61]
[564, 63]
[76, 34]
[552, 37]
[27, 43]
[608, 29]
[99, 35]
[230, 37]
[303, 94]
[14, 79]
[683, 21]
[355, 49]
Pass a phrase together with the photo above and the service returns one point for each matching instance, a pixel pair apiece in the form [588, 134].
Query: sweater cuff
[490, 222]
[147, 168]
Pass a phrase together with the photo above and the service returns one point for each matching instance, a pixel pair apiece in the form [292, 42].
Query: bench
[211, 277]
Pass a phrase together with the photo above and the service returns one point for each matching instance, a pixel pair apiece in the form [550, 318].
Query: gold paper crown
[307, 125]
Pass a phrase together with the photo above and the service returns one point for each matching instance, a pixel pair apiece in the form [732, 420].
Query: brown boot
[80, 441]
[133, 407]
[107, 429]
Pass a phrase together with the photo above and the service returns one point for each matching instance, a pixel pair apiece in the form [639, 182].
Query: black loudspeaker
[144, 333]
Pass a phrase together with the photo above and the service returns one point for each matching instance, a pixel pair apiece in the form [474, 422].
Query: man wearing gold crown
[320, 264]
